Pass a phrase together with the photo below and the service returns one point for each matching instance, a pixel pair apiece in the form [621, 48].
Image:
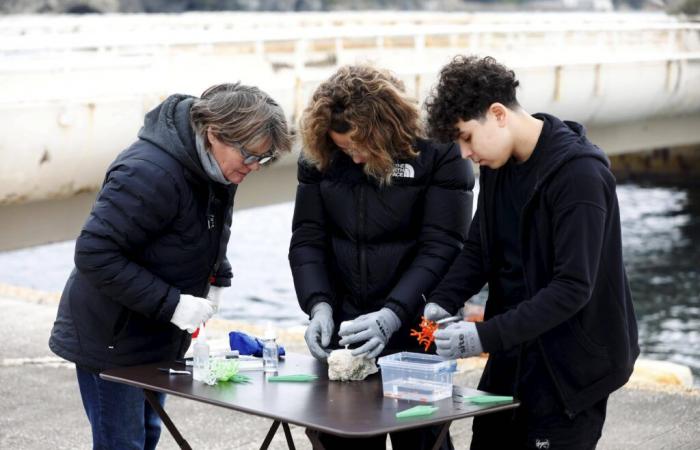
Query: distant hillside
[176, 6]
[165, 6]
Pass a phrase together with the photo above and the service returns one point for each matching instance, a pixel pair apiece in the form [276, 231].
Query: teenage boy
[559, 325]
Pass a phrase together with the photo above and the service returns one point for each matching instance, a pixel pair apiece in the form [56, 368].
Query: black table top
[350, 409]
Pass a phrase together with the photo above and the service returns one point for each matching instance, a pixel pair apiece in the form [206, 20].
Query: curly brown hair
[466, 88]
[372, 105]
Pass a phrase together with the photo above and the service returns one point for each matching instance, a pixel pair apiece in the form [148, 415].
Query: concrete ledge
[651, 372]
[647, 373]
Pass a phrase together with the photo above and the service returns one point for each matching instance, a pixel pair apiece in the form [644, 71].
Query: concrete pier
[42, 407]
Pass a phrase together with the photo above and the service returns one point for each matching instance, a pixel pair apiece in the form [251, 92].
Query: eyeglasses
[250, 158]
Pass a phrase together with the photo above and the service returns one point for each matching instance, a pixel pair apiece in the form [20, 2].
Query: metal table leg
[153, 401]
[273, 430]
[288, 436]
[270, 435]
[442, 435]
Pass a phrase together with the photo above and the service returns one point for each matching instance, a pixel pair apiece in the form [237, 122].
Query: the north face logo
[403, 171]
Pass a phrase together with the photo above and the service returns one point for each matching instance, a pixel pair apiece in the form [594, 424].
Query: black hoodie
[578, 310]
[159, 228]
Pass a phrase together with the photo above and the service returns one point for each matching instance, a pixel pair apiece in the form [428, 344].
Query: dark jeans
[519, 429]
[417, 439]
[120, 416]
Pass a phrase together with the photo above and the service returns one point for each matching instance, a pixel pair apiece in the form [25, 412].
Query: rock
[343, 366]
[648, 371]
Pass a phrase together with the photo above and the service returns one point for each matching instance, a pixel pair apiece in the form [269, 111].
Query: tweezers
[449, 320]
[174, 372]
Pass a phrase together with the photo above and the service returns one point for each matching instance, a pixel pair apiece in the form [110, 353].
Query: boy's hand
[459, 340]
[435, 312]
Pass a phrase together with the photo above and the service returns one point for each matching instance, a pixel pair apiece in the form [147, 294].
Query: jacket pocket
[120, 326]
[591, 347]
[576, 361]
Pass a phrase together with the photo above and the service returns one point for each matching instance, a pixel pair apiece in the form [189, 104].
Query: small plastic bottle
[200, 356]
[270, 351]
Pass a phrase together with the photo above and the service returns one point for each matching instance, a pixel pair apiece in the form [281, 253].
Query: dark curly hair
[467, 86]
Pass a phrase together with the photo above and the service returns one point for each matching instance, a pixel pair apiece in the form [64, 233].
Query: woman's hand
[318, 333]
[191, 312]
[214, 296]
[374, 329]
[435, 312]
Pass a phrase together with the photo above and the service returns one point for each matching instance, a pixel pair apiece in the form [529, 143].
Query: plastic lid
[419, 362]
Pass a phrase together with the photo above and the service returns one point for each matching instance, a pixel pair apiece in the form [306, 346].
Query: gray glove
[375, 328]
[459, 340]
[320, 330]
[435, 312]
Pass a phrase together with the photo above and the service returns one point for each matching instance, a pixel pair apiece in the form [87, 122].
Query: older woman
[380, 214]
[153, 249]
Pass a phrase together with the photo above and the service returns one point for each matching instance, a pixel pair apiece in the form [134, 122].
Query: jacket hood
[168, 127]
[564, 142]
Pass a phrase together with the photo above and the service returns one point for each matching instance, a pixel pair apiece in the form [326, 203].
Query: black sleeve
[578, 202]
[223, 276]
[307, 250]
[468, 274]
[136, 203]
[446, 216]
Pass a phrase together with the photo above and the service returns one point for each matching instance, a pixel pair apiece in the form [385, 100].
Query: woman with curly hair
[380, 214]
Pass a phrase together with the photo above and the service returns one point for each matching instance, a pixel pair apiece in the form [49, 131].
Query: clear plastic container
[417, 376]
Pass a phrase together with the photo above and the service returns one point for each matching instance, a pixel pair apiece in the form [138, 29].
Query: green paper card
[416, 411]
[298, 377]
[488, 399]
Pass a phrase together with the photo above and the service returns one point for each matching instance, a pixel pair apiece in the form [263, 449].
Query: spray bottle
[200, 356]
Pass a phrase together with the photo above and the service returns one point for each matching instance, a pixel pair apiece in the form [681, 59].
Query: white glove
[435, 312]
[191, 311]
[320, 330]
[459, 340]
[214, 296]
[374, 329]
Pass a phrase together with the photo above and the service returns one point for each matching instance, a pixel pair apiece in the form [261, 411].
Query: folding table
[350, 409]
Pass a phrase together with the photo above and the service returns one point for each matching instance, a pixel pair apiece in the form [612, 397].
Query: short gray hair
[239, 114]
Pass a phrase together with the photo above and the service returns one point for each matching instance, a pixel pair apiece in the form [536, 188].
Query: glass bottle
[200, 356]
[270, 350]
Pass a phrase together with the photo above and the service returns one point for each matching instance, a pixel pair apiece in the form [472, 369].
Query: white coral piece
[343, 366]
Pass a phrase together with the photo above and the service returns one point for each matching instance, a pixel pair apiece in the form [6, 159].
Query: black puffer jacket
[159, 228]
[361, 246]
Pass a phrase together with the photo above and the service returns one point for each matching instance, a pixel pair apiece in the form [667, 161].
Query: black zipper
[211, 215]
[211, 226]
[361, 245]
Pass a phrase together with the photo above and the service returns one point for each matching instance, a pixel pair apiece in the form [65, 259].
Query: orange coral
[425, 335]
